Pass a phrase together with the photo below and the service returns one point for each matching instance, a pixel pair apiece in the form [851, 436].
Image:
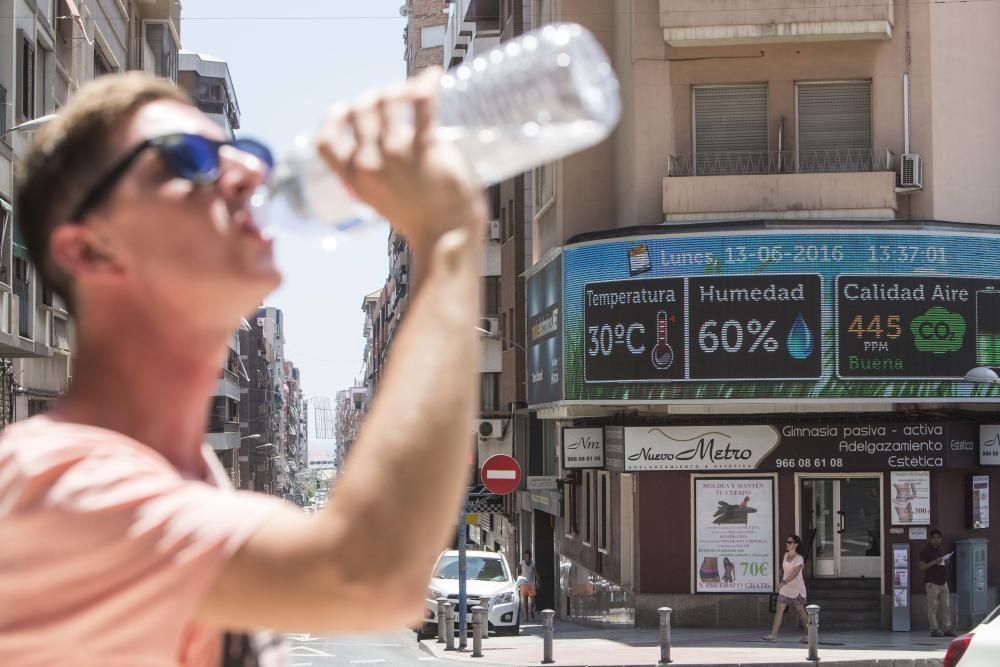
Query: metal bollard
[449, 626]
[664, 636]
[813, 632]
[484, 602]
[478, 621]
[549, 624]
[440, 614]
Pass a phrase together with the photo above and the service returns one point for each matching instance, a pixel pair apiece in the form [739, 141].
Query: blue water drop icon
[800, 339]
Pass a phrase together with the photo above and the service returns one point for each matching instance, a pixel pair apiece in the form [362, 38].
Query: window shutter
[730, 129]
[834, 126]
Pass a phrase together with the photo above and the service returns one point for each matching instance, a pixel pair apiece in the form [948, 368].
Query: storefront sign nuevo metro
[802, 447]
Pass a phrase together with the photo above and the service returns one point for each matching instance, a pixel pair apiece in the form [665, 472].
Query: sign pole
[462, 573]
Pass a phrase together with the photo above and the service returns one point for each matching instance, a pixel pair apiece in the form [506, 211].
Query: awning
[484, 503]
[20, 245]
[74, 13]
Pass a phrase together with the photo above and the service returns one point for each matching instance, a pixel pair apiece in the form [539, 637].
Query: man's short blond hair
[70, 153]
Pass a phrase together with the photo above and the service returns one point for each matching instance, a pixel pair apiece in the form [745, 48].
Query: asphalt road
[392, 649]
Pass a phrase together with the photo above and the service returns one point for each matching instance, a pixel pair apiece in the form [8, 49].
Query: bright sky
[289, 62]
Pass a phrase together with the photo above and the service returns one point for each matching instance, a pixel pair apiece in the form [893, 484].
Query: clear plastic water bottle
[532, 100]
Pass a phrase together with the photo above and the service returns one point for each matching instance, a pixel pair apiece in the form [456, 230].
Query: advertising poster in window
[911, 498]
[980, 502]
[734, 535]
[544, 336]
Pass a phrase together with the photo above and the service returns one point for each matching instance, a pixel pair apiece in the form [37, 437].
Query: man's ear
[77, 251]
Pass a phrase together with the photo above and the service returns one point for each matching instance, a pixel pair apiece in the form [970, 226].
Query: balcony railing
[780, 162]
[228, 386]
[222, 425]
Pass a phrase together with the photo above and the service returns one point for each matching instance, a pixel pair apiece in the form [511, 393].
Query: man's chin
[251, 285]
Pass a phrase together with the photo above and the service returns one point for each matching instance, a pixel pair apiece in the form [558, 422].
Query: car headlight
[504, 598]
[435, 594]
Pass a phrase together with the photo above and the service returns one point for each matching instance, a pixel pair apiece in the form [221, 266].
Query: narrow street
[391, 649]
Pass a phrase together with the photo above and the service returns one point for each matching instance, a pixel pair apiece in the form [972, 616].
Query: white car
[487, 575]
[977, 648]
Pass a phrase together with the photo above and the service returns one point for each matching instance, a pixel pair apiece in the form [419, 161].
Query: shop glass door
[841, 522]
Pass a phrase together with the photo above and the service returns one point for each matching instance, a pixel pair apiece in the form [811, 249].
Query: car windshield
[477, 567]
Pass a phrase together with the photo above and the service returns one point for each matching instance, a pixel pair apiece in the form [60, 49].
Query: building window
[101, 64]
[37, 406]
[22, 288]
[491, 296]
[64, 34]
[540, 13]
[834, 126]
[588, 507]
[26, 80]
[544, 186]
[513, 219]
[502, 328]
[163, 49]
[730, 129]
[432, 36]
[604, 510]
[3, 108]
[493, 198]
[489, 395]
[572, 517]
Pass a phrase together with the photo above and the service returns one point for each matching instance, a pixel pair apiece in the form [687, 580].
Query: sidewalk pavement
[583, 646]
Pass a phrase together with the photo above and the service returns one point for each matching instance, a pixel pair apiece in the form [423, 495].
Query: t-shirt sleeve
[118, 539]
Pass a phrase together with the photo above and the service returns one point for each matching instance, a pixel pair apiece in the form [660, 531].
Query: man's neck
[148, 381]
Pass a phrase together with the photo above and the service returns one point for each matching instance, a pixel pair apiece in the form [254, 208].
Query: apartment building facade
[273, 414]
[732, 305]
[349, 409]
[47, 50]
[423, 40]
[207, 80]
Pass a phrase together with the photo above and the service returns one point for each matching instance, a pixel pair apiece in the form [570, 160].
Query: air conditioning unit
[494, 230]
[490, 429]
[911, 171]
[490, 325]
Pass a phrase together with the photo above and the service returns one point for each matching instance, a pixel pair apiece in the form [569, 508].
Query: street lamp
[266, 444]
[255, 436]
[29, 125]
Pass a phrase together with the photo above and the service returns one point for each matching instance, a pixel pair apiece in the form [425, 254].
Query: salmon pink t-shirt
[107, 550]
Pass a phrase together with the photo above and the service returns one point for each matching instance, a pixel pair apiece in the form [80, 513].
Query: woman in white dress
[791, 587]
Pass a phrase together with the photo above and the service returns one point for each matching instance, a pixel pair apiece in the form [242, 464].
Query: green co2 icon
[938, 331]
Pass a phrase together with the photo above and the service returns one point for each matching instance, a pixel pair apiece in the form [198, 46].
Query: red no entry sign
[501, 474]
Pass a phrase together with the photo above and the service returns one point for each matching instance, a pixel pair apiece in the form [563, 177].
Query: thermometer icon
[663, 354]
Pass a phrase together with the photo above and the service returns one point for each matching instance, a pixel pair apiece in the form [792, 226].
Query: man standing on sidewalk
[121, 544]
[933, 563]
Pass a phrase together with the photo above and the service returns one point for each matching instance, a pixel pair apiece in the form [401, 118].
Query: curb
[886, 662]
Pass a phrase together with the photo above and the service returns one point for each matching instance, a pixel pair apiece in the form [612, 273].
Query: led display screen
[781, 315]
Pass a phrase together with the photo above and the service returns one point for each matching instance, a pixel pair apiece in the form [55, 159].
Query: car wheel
[423, 633]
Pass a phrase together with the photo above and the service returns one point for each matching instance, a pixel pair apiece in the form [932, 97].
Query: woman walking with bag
[791, 587]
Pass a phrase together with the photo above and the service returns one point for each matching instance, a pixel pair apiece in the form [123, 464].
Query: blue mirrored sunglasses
[189, 156]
